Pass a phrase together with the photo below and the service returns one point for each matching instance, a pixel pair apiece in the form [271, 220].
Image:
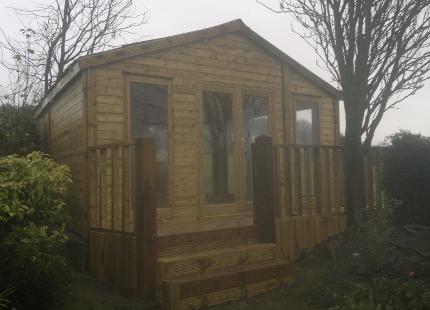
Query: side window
[307, 125]
[307, 133]
[149, 117]
[255, 122]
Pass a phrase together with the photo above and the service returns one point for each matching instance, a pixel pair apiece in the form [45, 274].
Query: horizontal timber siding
[67, 146]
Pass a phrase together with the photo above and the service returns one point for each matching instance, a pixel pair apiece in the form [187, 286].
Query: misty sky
[167, 17]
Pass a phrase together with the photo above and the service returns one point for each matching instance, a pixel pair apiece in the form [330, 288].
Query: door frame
[239, 206]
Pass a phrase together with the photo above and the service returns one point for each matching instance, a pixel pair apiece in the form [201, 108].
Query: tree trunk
[354, 170]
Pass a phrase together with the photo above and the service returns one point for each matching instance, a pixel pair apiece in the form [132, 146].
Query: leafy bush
[407, 162]
[374, 237]
[4, 301]
[18, 130]
[32, 223]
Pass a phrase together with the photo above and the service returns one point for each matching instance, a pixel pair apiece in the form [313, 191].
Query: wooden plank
[103, 189]
[146, 218]
[317, 179]
[92, 188]
[288, 165]
[263, 185]
[236, 277]
[308, 179]
[279, 206]
[329, 174]
[298, 181]
[246, 232]
[127, 190]
[336, 180]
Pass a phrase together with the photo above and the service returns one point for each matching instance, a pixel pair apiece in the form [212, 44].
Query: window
[218, 146]
[255, 122]
[307, 131]
[149, 117]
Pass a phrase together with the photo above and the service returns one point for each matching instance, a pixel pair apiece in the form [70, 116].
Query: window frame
[168, 212]
[314, 104]
[248, 205]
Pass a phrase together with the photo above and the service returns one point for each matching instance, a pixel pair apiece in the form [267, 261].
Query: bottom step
[208, 289]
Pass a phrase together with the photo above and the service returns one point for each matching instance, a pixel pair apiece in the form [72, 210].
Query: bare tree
[59, 33]
[20, 88]
[378, 52]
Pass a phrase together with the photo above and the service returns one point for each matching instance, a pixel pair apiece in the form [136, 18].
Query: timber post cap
[263, 139]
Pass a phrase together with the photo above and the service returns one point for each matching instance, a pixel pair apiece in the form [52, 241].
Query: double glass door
[231, 122]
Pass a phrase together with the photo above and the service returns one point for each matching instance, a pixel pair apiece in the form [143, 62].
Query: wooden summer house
[178, 201]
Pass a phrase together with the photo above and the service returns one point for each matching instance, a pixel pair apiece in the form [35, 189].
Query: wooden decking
[205, 224]
[298, 203]
[201, 269]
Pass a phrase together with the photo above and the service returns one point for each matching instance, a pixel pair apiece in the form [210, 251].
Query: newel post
[146, 216]
[263, 187]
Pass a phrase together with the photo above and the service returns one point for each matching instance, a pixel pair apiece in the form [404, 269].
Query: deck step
[206, 261]
[219, 286]
[194, 242]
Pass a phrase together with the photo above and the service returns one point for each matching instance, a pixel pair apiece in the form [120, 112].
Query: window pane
[306, 134]
[149, 118]
[304, 126]
[218, 157]
[255, 123]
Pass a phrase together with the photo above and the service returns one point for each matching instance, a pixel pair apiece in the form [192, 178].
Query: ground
[87, 294]
[380, 265]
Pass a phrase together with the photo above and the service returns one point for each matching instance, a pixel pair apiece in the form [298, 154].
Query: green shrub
[32, 223]
[4, 301]
[374, 237]
[407, 178]
[18, 130]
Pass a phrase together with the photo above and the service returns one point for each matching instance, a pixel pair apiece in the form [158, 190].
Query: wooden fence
[303, 186]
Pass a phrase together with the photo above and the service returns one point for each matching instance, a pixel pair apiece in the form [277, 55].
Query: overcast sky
[167, 17]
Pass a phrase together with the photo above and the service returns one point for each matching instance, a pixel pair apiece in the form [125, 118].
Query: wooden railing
[309, 180]
[375, 194]
[122, 215]
[110, 180]
[299, 192]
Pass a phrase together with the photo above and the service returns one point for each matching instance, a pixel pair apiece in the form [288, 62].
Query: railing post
[264, 190]
[146, 226]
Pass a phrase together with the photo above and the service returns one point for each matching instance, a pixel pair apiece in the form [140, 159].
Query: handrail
[112, 144]
[313, 146]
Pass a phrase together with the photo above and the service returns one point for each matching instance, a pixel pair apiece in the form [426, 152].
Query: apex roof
[144, 47]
